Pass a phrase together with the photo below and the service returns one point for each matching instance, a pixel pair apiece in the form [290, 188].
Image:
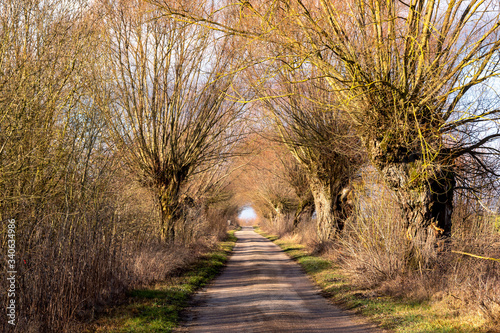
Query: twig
[475, 255]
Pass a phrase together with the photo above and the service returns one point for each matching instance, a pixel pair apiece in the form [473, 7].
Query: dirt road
[262, 290]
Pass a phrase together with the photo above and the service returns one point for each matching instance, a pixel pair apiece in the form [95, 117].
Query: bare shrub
[475, 282]
[73, 265]
[279, 225]
[375, 251]
[68, 265]
[306, 231]
[374, 240]
[216, 222]
[283, 224]
[474, 285]
[55, 170]
[158, 261]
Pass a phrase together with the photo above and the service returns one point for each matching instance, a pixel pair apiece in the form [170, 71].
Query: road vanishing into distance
[263, 290]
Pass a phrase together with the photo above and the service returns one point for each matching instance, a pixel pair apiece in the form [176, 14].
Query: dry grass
[372, 251]
[71, 265]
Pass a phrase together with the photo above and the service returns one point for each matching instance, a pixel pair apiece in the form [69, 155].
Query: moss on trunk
[424, 191]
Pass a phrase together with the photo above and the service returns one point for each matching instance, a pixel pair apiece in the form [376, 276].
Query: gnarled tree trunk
[331, 207]
[323, 204]
[427, 209]
[424, 193]
[169, 211]
[167, 223]
[304, 207]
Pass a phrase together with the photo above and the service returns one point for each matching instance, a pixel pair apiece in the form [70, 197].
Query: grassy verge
[398, 315]
[157, 308]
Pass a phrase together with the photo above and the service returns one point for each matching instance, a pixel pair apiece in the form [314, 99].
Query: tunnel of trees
[130, 126]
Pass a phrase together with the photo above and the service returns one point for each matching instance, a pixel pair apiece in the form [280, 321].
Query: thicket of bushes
[74, 256]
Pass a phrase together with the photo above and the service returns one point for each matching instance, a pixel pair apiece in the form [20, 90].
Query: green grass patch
[396, 314]
[157, 308]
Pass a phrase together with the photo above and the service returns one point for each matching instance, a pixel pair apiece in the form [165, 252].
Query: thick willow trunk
[167, 224]
[323, 204]
[426, 201]
[428, 209]
[305, 207]
[331, 208]
[169, 209]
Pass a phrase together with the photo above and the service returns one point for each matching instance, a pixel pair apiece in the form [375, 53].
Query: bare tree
[168, 111]
[414, 77]
[321, 140]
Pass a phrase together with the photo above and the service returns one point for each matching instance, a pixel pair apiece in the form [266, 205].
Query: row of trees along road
[412, 78]
[108, 105]
[323, 143]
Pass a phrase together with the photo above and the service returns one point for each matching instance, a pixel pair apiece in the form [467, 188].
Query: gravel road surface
[263, 290]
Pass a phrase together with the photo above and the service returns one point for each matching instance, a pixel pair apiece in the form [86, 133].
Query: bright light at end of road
[247, 213]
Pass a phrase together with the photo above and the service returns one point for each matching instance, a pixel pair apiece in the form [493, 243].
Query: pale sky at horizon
[247, 213]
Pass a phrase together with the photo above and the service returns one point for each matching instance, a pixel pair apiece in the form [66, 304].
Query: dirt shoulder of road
[391, 314]
[159, 307]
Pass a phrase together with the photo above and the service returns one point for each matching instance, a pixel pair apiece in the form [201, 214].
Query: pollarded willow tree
[167, 107]
[406, 74]
[415, 77]
[321, 140]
